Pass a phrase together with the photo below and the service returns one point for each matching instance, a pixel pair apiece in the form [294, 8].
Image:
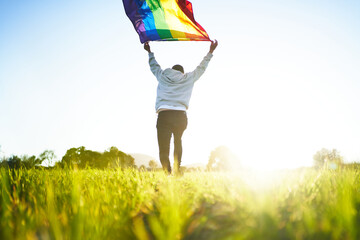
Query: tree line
[74, 158]
[221, 159]
[26, 161]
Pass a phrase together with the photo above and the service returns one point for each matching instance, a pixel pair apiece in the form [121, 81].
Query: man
[173, 96]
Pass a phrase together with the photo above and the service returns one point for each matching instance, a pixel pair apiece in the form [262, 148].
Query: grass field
[128, 204]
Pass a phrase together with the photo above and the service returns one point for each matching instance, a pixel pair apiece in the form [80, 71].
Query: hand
[213, 46]
[147, 47]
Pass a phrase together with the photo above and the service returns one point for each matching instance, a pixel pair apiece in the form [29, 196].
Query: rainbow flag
[164, 20]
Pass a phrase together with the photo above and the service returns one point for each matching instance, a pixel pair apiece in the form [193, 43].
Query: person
[173, 95]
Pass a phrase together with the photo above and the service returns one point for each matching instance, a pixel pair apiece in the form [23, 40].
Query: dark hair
[178, 68]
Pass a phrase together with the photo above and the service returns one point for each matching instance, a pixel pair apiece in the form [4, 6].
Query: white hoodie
[175, 88]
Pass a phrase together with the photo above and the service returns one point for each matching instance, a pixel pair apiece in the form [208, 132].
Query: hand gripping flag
[164, 20]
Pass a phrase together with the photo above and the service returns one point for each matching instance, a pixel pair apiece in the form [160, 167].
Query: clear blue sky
[283, 83]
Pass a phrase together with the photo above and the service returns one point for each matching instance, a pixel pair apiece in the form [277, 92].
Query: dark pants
[170, 122]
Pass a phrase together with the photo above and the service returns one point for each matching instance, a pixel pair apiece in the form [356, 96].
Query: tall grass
[128, 204]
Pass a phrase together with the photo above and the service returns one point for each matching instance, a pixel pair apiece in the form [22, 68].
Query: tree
[153, 164]
[48, 157]
[82, 158]
[26, 161]
[116, 158]
[72, 157]
[14, 162]
[30, 162]
[221, 158]
[328, 158]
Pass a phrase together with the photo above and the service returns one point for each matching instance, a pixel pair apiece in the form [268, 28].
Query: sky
[284, 81]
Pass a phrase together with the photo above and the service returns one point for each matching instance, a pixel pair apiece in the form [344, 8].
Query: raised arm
[196, 74]
[213, 46]
[154, 66]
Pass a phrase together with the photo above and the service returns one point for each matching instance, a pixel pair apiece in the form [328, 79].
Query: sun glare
[256, 146]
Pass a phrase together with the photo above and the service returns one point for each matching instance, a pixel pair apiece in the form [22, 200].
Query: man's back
[175, 88]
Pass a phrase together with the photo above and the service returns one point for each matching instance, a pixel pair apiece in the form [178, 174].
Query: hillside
[143, 159]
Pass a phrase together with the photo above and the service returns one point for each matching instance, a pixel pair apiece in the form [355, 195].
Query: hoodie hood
[173, 76]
